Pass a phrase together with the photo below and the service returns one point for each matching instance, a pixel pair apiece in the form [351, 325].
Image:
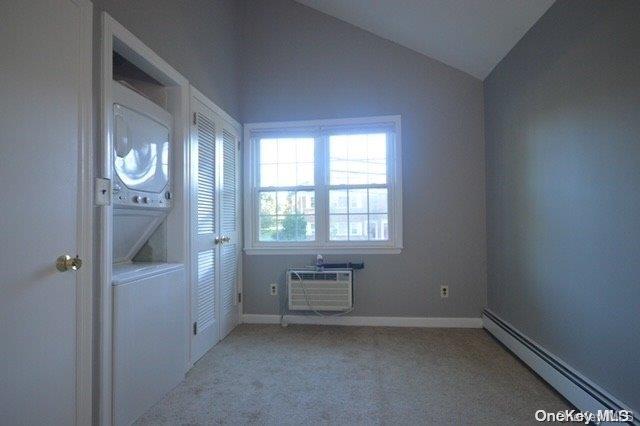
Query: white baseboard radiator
[330, 290]
[580, 391]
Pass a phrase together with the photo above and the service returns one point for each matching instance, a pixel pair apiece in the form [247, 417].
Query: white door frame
[84, 276]
[117, 37]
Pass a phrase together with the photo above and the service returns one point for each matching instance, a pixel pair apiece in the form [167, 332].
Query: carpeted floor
[266, 374]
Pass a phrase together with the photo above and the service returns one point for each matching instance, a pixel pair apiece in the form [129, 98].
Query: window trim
[319, 129]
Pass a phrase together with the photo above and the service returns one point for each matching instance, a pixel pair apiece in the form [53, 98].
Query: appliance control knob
[145, 200]
[167, 195]
[136, 198]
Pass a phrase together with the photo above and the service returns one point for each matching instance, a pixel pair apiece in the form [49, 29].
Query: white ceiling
[471, 35]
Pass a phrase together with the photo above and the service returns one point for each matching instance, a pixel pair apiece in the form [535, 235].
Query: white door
[45, 73]
[215, 239]
[204, 230]
[229, 222]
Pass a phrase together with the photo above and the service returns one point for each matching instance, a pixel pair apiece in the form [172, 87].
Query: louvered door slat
[206, 174]
[229, 202]
[204, 257]
[228, 272]
[206, 289]
[229, 252]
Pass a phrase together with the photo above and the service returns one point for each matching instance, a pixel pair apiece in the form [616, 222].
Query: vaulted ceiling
[471, 35]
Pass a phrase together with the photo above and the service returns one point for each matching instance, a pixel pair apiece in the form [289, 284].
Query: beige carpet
[266, 374]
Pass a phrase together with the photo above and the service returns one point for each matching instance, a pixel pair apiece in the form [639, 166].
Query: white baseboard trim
[583, 393]
[366, 321]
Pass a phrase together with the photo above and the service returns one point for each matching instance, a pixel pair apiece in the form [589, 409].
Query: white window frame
[322, 244]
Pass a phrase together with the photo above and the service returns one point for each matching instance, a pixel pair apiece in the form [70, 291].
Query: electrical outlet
[444, 291]
[274, 289]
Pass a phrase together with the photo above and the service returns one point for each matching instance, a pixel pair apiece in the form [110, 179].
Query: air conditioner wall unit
[330, 290]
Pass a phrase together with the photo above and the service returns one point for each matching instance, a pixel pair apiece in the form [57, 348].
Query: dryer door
[141, 150]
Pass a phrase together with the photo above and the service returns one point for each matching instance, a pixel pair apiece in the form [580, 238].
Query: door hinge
[195, 328]
[195, 118]
[239, 297]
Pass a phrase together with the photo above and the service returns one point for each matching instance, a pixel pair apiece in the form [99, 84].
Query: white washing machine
[149, 298]
[149, 305]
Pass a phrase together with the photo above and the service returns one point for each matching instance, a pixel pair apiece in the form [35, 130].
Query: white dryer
[142, 173]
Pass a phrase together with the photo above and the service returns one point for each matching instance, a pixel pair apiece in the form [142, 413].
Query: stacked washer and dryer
[149, 301]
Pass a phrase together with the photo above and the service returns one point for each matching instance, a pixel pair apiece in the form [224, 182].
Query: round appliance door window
[141, 150]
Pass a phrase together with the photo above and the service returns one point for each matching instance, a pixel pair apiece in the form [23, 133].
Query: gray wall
[199, 38]
[562, 119]
[300, 64]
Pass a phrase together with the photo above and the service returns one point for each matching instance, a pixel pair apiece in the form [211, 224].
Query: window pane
[281, 235]
[287, 216]
[357, 174]
[358, 229]
[287, 228]
[268, 203]
[357, 201]
[268, 175]
[307, 228]
[378, 227]
[338, 227]
[268, 151]
[378, 200]
[304, 174]
[338, 201]
[357, 159]
[285, 203]
[306, 202]
[304, 151]
[377, 146]
[339, 172]
[296, 227]
[287, 162]
[287, 150]
[287, 174]
[267, 228]
[377, 171]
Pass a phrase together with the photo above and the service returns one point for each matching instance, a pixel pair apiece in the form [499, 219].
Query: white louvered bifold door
[229, 223]
[204, 273]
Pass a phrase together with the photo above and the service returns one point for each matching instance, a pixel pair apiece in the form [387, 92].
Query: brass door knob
[66, 262]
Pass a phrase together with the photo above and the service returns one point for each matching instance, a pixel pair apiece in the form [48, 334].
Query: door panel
[204, 271]
[229, 229]
[42, 64]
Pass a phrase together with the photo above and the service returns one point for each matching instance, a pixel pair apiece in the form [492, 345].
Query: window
[326, 186]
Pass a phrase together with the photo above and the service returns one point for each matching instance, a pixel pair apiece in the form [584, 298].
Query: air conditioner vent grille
[320, 290]
[314, 276]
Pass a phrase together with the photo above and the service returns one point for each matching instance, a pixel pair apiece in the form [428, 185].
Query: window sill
[321, 250]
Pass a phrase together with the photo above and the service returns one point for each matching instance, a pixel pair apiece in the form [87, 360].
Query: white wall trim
[106, 223]
[426, 322]
[582, 392]
[84, 276]
[325, 250]
[116, 37]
